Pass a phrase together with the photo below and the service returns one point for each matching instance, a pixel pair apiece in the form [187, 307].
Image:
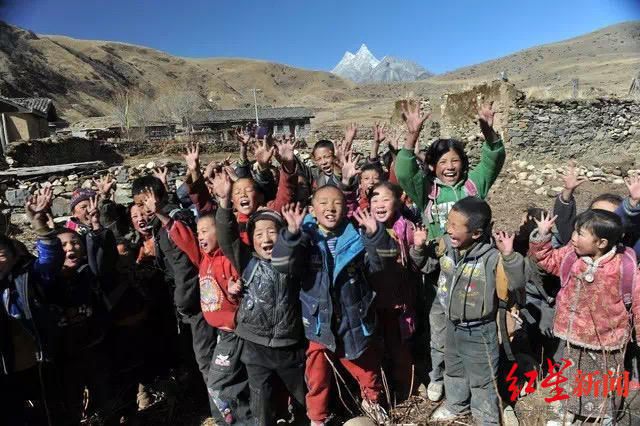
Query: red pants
[318, 374]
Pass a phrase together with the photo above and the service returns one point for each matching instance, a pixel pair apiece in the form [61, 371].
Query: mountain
[356, 67]
[363, 67]
[82, 76]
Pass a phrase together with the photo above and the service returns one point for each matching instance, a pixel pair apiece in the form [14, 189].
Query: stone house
[296, 120]
[25, 118]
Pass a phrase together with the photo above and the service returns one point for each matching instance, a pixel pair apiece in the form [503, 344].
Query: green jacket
[418, 186]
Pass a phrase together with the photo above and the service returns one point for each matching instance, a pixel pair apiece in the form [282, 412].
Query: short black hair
[372, 166]
[440, 147]
[208, 215]
[139, 185]
[7, 243]
[326, 186]
[603, 224]
[477, 212]
[395, 190]
[324, 143]
[607, 197]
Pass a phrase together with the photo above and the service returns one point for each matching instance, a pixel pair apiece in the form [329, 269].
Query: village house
[26, 118]
[110, 127]
[295, 120]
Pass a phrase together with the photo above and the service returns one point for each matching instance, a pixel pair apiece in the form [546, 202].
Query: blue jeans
[469, 351]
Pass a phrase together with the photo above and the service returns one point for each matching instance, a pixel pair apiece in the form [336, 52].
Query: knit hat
[264, 214]
[81, 194]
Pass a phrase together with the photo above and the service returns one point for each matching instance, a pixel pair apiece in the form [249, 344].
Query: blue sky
[441, 36]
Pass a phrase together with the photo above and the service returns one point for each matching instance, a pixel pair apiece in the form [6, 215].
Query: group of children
[286, 280]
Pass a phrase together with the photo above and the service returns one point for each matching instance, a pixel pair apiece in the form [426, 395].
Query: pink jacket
[589, 314]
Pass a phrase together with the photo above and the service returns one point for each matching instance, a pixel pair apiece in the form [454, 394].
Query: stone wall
[40, 152]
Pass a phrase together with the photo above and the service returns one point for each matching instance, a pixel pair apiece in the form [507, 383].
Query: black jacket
[269, 313]
[180, 273]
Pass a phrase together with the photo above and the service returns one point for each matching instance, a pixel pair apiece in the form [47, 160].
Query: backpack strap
[628, 276]
[566, 265]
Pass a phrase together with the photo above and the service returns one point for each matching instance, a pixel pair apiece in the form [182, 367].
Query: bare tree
[134, 110]
[178, 105]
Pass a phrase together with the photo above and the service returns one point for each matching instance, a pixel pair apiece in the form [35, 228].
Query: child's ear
[477, 234]
[602, 243]
[312, 212]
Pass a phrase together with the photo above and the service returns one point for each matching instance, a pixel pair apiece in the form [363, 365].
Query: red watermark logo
[601, 384]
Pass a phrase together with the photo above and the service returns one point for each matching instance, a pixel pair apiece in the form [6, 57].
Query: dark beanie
[81, 194]
[264, 214]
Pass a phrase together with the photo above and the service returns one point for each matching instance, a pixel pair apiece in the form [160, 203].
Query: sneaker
[442, 414]
[435, 391]
[509, 417]
[375, 411]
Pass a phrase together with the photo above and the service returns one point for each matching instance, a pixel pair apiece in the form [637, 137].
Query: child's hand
[192, 157]
[222, 187]
[105, 185]
[294, 215]
[545, 224]
[94, 213]
[485, 118]
[161, 173]
[504, 242]
[633, 185]
[379, 132]
[415, 121]
[150, 201]
[571, 179]
[350, 168]
[263, 153]
[349, 135]
[242, 137]
[284, 154]
[420, 236]
[234, 287]
[366, 220]
[37, 205]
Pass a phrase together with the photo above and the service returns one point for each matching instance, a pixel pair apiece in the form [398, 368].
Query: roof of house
[43, 107]
[249, 114]
[11, 105]
[107, 122]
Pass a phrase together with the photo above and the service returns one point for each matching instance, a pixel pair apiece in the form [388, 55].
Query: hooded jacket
[467, 283]
[336, 296]
[269, 313]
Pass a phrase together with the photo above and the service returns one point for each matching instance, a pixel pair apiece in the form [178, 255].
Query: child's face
[585, 243]
[328, 207]
[7, 260]
[369, 178]
[244, 196]
[139, 219]
[207, 235]
[139, 200]
[449, 168]
[458, 230]
[324, 159]
[73, 249]
[383, 204]
[265, 234]
[605, 205]
[81, 212]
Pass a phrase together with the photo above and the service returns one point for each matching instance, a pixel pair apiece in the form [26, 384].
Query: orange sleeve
[183, 237]
[286, 189]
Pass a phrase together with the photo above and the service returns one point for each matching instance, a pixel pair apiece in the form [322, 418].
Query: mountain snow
[363, 67]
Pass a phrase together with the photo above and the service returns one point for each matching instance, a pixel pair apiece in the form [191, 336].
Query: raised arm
[565, 204]
[289, 252]
[486, 172]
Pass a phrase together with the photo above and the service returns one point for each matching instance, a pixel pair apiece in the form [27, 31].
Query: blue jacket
[23, 299]
[336, 298]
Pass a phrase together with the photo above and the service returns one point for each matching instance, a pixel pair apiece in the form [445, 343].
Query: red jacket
[218, 306]
[591, 315]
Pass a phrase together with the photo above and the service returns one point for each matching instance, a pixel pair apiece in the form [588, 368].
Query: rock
[527, 183]
[56, 182]
[123, 175]
[60, 207]
[523, 164]
[141, 166]
[360, 421]
[531, 167]
[87, 184]
[551, 193]
[557, 189]
[123, 196]
[150, 165]
[543, 118]
[72, 177]
[539, 181]
[618, 181]
[540, 190]
[16, 197]
[61, 220]
[58, 190]
[616, 172]
[180, 182]
[523, 175]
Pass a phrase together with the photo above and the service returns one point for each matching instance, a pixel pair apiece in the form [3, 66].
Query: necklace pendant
[588, 277]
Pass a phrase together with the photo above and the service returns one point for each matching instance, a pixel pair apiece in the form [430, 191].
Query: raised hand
[94, 213]
[633, 185]
[263, 153]
[234, 287]
[379, 132]
[545, 224]
[37, 205]
[243, 138]
[350, 168]
[349, 135]
[105, 185]
[222, 188]
[571, 181]
[485, 118]
[294, 214]
[150, 201]
[284, 154]
[366, 220]
[504, 242]
[161, 173]
[192, 157]
[415, 120]
[420, 236]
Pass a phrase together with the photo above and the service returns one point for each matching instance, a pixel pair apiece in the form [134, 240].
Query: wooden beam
[30, 172]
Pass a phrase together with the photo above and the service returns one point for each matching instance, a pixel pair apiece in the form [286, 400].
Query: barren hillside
[82, 75]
